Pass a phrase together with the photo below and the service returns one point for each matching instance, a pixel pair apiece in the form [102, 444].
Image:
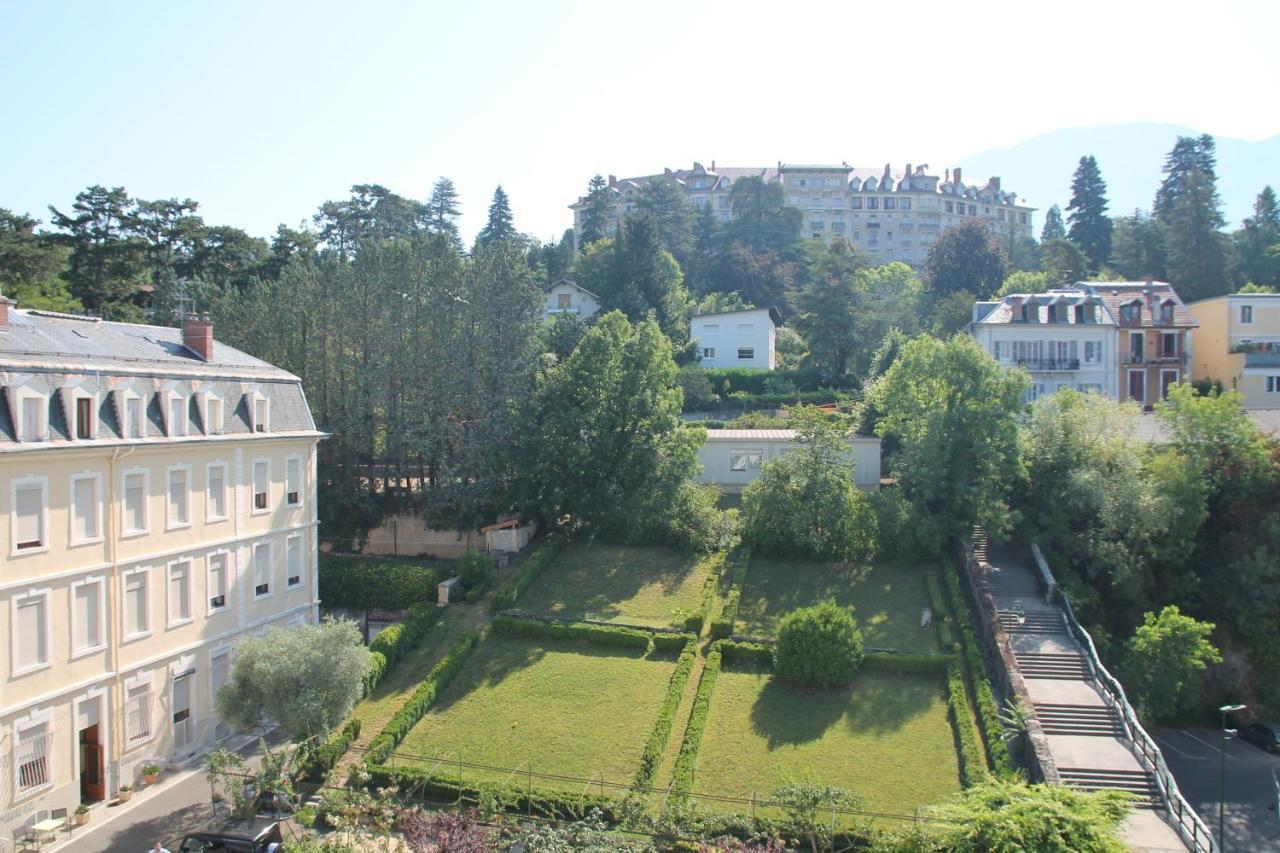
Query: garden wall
[407, 535]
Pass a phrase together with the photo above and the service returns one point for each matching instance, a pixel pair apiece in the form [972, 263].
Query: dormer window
[1131, 312]
[177, 416]
[261, 414]
[33, 415]
[84, 417]
[213, 417]
[1166, 312]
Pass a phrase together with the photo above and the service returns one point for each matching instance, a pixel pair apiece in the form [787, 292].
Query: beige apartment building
[888, 214]
[159, 489]
[1155, 329]
[1239, 345]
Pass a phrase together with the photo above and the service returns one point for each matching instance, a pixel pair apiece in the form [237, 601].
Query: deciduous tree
[1164, 660]
[965, 257]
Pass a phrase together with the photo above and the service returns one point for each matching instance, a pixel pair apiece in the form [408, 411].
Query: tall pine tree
[1258, 242]
[499, 227]
[1053, 227]
[443, 211]
[1189, 211]
[1137, 247]
[1087, 213]
[595, 219]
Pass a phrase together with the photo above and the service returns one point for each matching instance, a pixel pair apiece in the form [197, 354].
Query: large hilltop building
[890, 215]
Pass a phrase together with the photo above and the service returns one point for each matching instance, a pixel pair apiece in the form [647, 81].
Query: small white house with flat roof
[732, 458]
[736, 338]
[567, 298]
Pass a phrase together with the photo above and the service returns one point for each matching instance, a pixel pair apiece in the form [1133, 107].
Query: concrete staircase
[1033, 622]
[1090, 720]
[1140, 783]
[1070, 666]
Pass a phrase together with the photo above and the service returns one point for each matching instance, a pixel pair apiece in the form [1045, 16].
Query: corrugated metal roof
[751, 434]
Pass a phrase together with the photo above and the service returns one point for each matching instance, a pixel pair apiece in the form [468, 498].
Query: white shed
[736, 338]
[567, 298]
[731, 458]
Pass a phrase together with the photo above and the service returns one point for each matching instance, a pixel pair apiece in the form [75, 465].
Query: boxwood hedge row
[317, 763]
[395, 641]
[657, 745]
[357, 582]
[973, 767]
[737, 560]
[988, 711]
[604, 635]
[525, 574]
[682, 782]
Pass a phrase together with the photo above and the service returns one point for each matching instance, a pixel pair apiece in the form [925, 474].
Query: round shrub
[474, 568]
[818, 646]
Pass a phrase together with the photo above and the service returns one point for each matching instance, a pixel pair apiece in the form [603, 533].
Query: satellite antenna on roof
[185, 306]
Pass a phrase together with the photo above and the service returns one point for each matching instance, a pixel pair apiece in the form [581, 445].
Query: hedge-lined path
[666, 768]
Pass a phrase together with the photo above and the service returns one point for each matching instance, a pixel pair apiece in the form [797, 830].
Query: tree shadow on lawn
[875, 704]
[597, 579]
[775, 586]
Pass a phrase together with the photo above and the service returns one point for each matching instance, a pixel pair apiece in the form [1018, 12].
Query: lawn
[642, 586]
[887, 739]
[570, 709]
[886, 599]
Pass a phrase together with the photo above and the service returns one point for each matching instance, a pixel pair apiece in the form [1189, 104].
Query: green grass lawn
[886, 599]
[570, 709]
[887, 739]
[644, 586]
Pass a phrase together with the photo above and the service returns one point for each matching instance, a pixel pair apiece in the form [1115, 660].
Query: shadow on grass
[876, 704]
[597, 579]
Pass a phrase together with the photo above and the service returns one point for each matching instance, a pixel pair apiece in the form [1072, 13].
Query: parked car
[1265, 735]
[257, 837]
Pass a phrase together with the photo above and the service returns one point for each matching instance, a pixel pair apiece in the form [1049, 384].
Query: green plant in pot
[149, 773]
[82, 814]
[125, 794]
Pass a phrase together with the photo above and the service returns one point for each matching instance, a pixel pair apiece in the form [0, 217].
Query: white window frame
[142, 679]
[293, 460]
[170, 427]
[127, 533]
[169, 522]
[73, 431]
[84, 651]
[14, 603]
[1246, 315]
[708, 352]
[225, 554]
[125, 577]
[1096, 348]
[18, 398]
[19, 483]
[253, 486]
[1177, 377]
[35, 718]
[72, 538]
[174, 620]
[257, 424]
[253, 569]
[127, 397]
[289, 545]
[1271, 385]
[750, 455]
[209, 516]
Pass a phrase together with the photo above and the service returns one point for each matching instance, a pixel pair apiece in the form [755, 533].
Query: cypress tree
[1053, 227]
[1087, 213]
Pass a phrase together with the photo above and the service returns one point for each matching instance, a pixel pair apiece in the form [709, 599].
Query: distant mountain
[1130, 157]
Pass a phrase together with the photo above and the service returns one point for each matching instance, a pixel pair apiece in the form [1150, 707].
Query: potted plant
[125, 794]
[150, 771]
[82, 814]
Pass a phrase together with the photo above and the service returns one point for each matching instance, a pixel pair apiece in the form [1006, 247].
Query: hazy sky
[262, 110]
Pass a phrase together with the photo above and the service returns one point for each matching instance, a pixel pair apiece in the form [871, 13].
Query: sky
[260, 111]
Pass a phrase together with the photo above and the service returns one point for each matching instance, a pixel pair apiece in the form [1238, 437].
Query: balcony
[1134, 358]
[1262, 359]
[1050, 364]
[564, 310]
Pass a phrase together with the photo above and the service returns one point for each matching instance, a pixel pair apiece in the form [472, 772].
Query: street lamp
[1222, 773]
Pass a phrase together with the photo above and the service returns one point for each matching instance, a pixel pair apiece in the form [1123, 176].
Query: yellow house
[159, 491]
[1238, 344]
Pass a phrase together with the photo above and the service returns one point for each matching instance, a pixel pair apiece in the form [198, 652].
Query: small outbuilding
[732, 458]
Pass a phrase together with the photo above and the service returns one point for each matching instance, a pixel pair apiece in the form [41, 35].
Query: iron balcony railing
[1050, 363]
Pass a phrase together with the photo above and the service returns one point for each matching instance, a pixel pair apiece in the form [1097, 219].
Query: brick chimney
[5, 304]
[197, 335]
[995, 183]
[955, 174]
[1015, 308]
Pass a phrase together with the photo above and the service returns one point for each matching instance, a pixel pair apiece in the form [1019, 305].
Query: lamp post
[1222, 773]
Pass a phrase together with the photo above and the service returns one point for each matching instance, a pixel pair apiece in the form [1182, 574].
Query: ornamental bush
[474, 568]
[818, 646]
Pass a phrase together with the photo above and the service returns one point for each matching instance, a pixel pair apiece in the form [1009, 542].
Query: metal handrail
[1187, 823]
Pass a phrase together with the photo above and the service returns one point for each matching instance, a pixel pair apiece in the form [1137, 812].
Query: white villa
[736, 338]
[567, 298]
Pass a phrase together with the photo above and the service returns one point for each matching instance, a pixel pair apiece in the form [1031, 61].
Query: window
[873, 203]
[133, 417]
[84, 417]
[260, 413]
[1137, 347]
[33, 757]
[137, 713]
[746, 328]
[293, 560]
[1246, 314]
[29, 515]
[1169, 344]
[217, 581]
[711, 329]
[1166, 312]
[293, 481]
[563, 301]
[973, 210]
[261, 569]
[745, 353]
[86, 616]
[33, 412]
[949, 207]
[1138, 385]
[708, 352]
[904, 204]
[1000, 215]
[86, 525]
[855, 204]
[1168, 378]
[177, 416]
[137, 619]
[1093, 352]
[134, 517]
[179, 592]
[1273, 384]
[216, 494]
[261, 484]
[179, 503]
[746, 460]
[890, 203]
[30, 631]
[214, 419]
[1131, 312]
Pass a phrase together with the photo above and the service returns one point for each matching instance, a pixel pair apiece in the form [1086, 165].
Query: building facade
[732, 458]
[1238, 344]
[888, 214]
[159, 489]
[1154, 331]
[1065, 338]
[736, 338]
[567, 298]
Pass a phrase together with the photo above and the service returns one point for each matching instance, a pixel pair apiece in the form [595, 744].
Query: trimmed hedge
[657, 745]
[695, 622]
[722, 626]
[416, 705]
[673, 644]
[792, 398]
[375, 582]
[973, 767]
[603, 635]
[758, 381]
[417, 783]
[525, 574]
[743, 653]
[682, 782]
[941, 613]
[393, 642]
[907, 663]
[317, 764]
[988, 712]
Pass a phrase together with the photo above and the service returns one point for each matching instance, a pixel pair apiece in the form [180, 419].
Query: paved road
[1250, 814]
